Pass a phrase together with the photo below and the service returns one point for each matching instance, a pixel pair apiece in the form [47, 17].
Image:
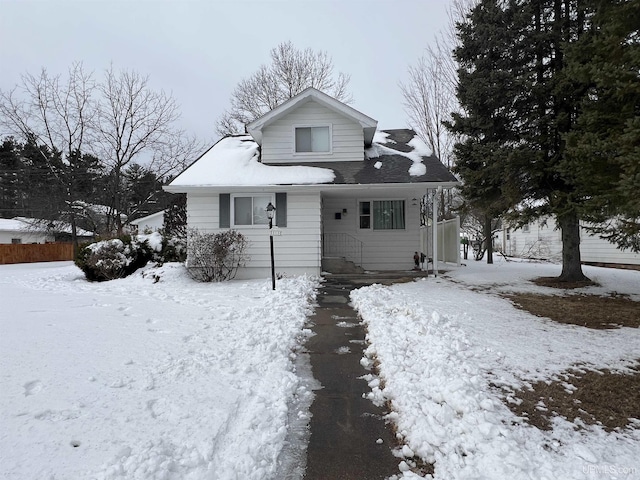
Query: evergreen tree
[487, 91]
[548, 112]
[543, 67]
[10, 179]
[603, 150]
[175, 216]
[44, 178]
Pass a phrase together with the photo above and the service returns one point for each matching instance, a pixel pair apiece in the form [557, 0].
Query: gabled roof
[396, 156]
[311, 94]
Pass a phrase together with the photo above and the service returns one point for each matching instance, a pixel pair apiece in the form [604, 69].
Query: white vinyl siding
[278, 138]
[297, 250]
[594, 249]
[544, 241]
[382, 249]
[202, 212]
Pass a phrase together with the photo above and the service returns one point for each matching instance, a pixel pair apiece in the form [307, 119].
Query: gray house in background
[341, 188]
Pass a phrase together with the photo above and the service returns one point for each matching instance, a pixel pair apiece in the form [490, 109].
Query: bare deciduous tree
[289, 73]
[120, 120]
[430, 96]
[177, 151]
[430, 93]
[56, 115]
[132, 120]
[429, 99]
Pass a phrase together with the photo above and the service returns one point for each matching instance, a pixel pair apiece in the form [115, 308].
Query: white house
[24, 230]
[16, 231]
[542, 240]
[340, 188]
[151, 223]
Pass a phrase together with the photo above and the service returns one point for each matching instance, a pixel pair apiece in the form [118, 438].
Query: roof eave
[367, 123]
[311, 186]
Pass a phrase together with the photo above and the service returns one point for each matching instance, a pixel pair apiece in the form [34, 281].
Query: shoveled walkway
[345, 427]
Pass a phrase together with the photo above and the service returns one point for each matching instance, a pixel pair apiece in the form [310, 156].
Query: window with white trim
[313, 139]
[248, 210]
[382, 215]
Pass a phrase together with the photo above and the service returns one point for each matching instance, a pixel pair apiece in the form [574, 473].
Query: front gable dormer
[312, 126]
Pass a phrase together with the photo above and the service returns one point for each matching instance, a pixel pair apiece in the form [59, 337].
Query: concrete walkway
[346, 428]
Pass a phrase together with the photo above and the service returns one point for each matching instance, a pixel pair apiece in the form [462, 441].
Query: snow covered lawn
[150, 377]
[159, 377]
[446, 345]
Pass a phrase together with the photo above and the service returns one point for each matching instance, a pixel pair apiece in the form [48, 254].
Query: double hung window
[382, 214]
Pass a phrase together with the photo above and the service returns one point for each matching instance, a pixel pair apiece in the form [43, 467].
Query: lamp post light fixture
[271, 212]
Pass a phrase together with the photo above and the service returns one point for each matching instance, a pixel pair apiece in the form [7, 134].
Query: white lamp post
[271, 211]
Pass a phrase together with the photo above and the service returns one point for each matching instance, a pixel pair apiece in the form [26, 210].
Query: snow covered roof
[24, 224]
[367, 123]
[235, 160]
[13, 225]
[396, 156]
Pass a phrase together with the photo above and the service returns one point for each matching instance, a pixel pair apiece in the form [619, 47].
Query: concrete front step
[340, 265]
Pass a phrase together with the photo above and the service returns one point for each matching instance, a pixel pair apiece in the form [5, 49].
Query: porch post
[434, 223]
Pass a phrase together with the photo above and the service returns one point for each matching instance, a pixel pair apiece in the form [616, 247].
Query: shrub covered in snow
[214, 257]
[115, 258]
[120, 257]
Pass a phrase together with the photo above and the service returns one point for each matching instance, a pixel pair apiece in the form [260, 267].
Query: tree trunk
[488, 235]
[571, 263]
[74, 234]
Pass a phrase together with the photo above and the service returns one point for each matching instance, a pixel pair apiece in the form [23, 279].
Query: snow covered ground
[148, 377]
[442, 342]
[159, 377]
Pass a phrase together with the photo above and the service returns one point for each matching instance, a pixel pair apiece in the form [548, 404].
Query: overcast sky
[200, 50]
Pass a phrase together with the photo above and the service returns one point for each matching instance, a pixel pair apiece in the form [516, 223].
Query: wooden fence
[40, 252]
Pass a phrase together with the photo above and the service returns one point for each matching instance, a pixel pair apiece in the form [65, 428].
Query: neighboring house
[340, 188]
[150, 223]
[16, 232]
[31, 230]
[542, 240]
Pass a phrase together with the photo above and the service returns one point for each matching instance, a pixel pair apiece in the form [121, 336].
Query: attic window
[313, 139]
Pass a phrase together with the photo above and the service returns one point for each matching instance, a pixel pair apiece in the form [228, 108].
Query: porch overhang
[334, 189]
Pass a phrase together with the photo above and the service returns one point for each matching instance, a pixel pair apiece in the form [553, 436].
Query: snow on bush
[120, 257]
